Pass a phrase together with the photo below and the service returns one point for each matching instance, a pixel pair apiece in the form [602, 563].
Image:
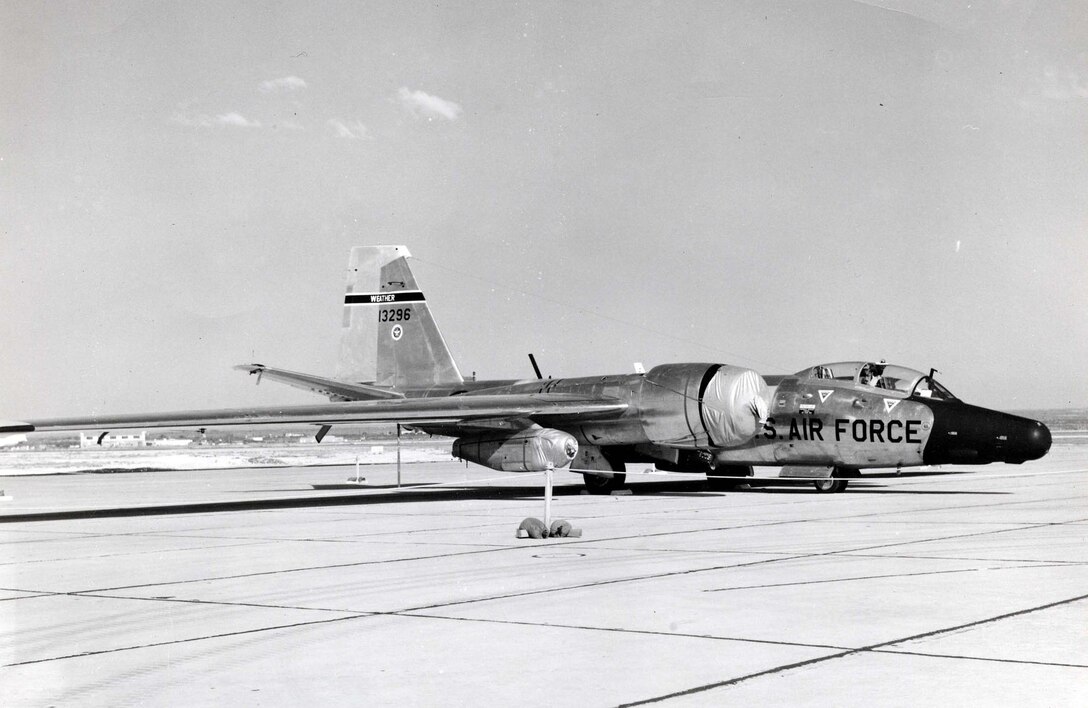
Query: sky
[771, 185]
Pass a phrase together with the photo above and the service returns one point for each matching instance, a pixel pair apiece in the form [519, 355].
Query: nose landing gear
[830, 486]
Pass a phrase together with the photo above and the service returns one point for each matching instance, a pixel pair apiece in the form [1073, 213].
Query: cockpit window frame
[892, 379]
[943, 394]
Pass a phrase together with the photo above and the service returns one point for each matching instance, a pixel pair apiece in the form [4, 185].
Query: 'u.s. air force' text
[860, 430]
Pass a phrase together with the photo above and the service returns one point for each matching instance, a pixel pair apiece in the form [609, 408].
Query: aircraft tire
[714, 477]
[596, 484]
[830, 486]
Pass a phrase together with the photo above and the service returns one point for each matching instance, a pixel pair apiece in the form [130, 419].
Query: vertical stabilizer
[389, 336]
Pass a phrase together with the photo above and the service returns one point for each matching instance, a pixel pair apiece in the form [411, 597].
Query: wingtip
[14, 426]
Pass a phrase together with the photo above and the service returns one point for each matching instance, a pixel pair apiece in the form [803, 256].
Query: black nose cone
[965, 434]
[1034, 442]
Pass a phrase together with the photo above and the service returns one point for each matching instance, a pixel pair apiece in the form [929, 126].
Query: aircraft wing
[333, 388]
[453, 410]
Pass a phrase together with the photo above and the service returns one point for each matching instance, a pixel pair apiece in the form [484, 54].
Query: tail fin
[389, 337]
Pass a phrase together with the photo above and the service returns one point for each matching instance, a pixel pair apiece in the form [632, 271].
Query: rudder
[389, 336]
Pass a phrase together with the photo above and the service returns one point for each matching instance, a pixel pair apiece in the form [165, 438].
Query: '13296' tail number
[399, 314]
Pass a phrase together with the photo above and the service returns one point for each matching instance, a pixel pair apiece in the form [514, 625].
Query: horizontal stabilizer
[335, 389]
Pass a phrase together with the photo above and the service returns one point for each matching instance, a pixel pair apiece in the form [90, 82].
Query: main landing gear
[836, 482]
[596, 484]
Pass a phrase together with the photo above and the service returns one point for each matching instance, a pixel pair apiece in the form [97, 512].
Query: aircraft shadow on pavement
[437, 493]
[859, 489]
[443, 493]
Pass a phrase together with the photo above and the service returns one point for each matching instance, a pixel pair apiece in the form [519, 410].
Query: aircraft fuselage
[810, 421]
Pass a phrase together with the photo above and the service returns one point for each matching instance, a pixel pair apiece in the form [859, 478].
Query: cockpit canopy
[888, 377]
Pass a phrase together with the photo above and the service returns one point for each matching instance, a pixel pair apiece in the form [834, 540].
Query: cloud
[236, 119]
[203, 120]
[1063, 85]
[428, 106]
[351, 131]
[285, 83]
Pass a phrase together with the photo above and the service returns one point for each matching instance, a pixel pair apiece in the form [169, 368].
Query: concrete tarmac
[249, 587]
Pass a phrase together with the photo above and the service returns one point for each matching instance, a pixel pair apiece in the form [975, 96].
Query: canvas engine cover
[734, 405]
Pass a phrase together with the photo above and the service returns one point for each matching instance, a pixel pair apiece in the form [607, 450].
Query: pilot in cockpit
[871, 375]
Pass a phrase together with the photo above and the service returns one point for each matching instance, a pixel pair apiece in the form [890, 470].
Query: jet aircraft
[824, 423]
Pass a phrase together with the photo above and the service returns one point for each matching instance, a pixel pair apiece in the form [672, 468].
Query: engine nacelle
[530, 450]
[697, 406]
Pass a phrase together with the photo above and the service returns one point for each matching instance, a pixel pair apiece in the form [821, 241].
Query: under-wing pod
[530, 450]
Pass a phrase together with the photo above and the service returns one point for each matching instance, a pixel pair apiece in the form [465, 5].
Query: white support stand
[357, 480]
[548, 496]
[398, 455]
[532, 528]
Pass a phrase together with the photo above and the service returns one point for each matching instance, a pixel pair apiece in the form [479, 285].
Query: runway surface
[248, 587]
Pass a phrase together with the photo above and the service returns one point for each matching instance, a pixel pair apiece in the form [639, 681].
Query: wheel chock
[532, 528]
[535, 528]
[563, 529]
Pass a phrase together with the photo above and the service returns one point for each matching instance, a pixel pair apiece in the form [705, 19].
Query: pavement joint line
[1027, 527]
[30, 595]
[619, 630]
[378, 562]
[332, 566]
[519, 547]
[656, 576]
[830, 519]
[612, 581]
[347, 538]
[912, 479]
[574, 543]
[256, 630]
[1041, 561]
[190, 601]
[852, 517]
[137, 553]
[278, 504]
[866, 649]
[356, 614]
[67, 537]
[216, 603]
[103, 593]
[935, 655]
[872, 577]
[417, 615]
[693, 551]
[955, 508]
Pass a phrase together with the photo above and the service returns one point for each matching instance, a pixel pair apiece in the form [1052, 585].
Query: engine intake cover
[698, 406]
[734, 405]
[529, 450]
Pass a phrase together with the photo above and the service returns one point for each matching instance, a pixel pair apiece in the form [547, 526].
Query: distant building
[169, 442]
[114, 440]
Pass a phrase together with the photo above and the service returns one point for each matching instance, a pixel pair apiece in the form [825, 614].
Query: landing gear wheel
[724, 477]
[717, 483]
[596, 484]
[830, 486]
